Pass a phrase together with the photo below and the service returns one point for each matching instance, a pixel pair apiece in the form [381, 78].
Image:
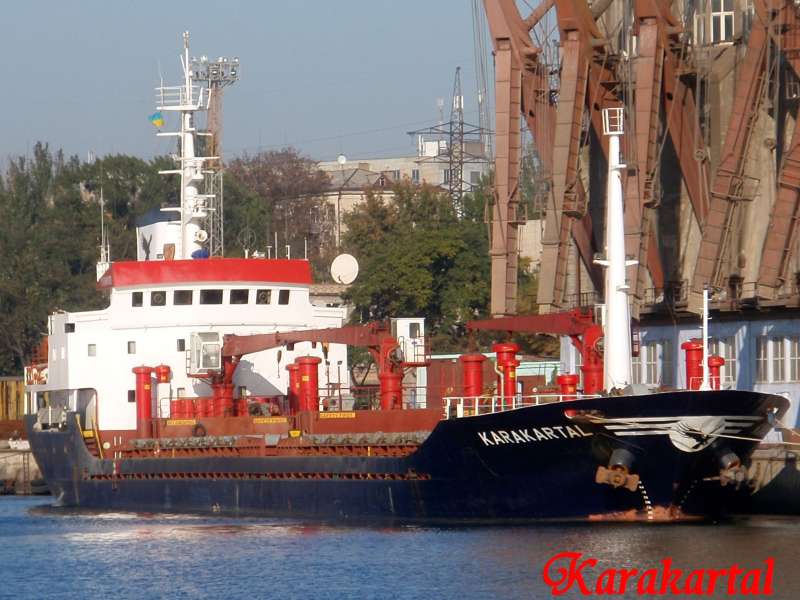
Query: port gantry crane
[562, 102]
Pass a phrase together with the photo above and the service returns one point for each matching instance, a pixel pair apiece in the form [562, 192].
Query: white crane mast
[617, 322]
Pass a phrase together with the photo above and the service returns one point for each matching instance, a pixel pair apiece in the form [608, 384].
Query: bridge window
[158, 298]
[131, 347]
[283, 297]
[182, 297]
[181, 345]
[69, 327]
[240, 296]
[131, 396]
[137, 299]
[91, 350]
[264, 297]
[210, 296]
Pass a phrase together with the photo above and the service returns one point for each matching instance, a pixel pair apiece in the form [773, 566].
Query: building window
[474, 177]
[182, 297]
[721, 21]
[636, 369]
[283, 297]
[137, 299]
[446, 176]
[651, 363]
[181, 345]
[667, 367]
[396, 175]
[415, 175]
[158, 298]
[794, 358]
[131, 347]
[210, 296]
[778, 360]
[716, 25]
[762, 359]
[239, 296]
[131, 396]
[264, 297]
[91, 350]
[726, 348]
[69, 327]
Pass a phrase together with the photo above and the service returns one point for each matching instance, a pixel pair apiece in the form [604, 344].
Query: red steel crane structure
[579, 324]
[712, 188]
[384, 348]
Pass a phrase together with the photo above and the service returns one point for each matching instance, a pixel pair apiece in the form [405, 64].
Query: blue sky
[314, 74]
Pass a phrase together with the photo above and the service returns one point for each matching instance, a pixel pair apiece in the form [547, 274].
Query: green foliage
[277, 192]
[419, 259]
[50, 215]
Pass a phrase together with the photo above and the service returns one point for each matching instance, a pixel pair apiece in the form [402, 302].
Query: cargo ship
[214, 385]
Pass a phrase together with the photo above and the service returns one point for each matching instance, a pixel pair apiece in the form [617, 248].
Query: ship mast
[617, 322]
[186, 100]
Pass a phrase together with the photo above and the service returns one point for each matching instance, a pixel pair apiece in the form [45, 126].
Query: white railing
[471, 406]
[175, 97]
[726, 382]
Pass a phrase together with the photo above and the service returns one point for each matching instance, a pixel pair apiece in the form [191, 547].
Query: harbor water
[47, 552]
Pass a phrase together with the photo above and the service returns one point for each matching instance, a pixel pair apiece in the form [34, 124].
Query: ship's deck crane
[579, 324]
[376, 337]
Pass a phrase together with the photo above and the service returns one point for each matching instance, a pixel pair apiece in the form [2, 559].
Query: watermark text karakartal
[572, 572]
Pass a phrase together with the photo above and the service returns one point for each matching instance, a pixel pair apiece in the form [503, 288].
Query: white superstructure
[173, 294]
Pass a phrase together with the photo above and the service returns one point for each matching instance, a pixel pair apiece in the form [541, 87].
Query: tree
[47, 242]
[50, 210]
[278, 192]
[419, 259]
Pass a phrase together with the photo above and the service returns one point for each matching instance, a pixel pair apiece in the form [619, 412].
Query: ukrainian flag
[157, 119]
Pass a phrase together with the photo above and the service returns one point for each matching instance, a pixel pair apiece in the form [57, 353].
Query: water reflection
[97, 554]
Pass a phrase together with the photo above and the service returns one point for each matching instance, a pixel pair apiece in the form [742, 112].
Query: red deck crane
[376, 337]
[579, 324]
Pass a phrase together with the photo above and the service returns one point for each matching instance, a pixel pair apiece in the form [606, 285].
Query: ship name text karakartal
[534, 434]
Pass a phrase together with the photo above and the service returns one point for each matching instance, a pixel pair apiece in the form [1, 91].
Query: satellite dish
[341, 159]
[344, 269]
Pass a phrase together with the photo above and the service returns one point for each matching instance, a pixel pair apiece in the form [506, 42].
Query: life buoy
[199, 430]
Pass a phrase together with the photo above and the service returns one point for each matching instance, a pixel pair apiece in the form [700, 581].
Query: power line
[329, 138]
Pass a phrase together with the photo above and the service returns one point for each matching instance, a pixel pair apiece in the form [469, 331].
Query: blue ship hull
[525, 464]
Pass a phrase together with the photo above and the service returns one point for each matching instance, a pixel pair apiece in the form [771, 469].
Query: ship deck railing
[723, 382]
[456, 407]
